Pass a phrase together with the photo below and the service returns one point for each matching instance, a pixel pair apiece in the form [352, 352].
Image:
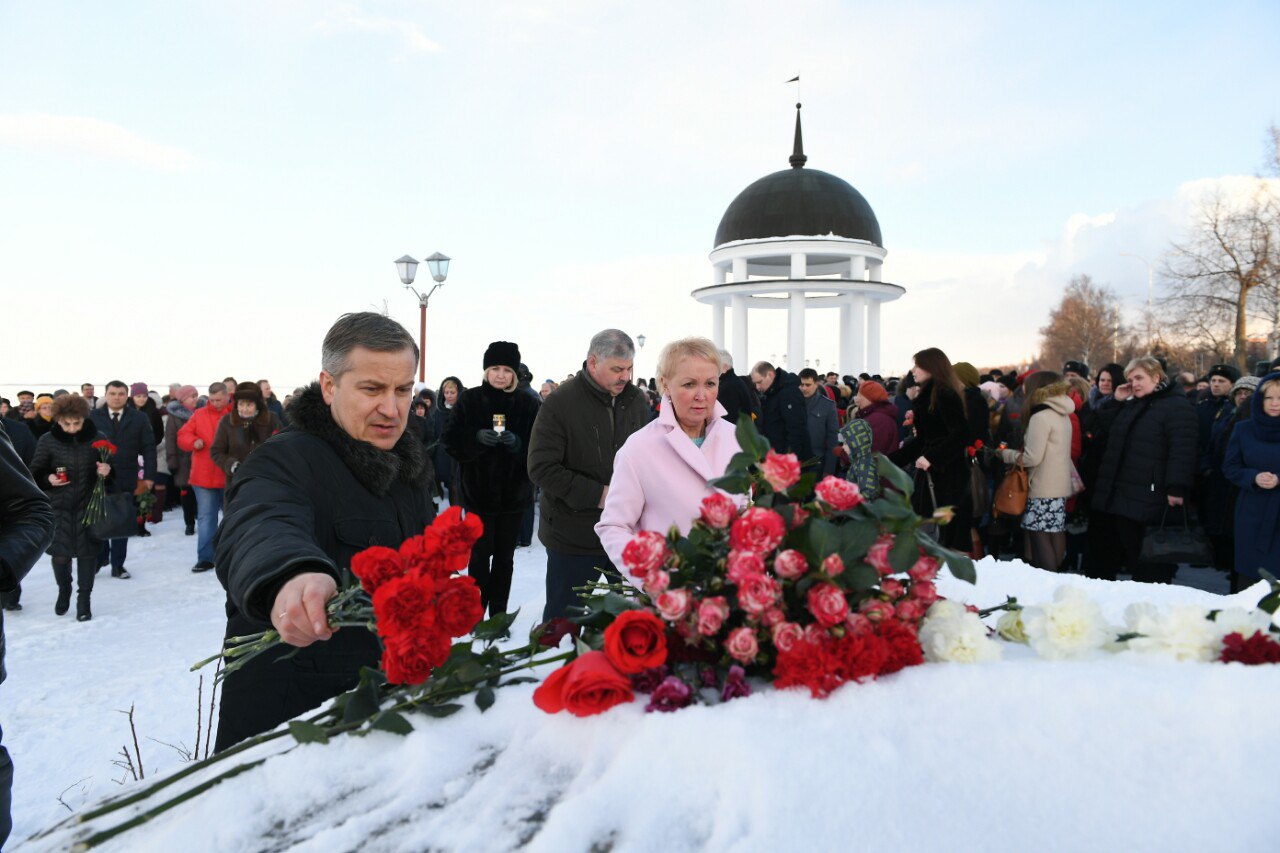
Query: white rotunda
[794, 240]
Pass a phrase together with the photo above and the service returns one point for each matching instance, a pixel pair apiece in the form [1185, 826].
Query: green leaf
[824, 539]
[304, 732]
[740, 462]
[440, 711]
[961, 566]
[856, 538]
[390, 721]
[362, 703]
[618, 604]
[859, 577]
[496, 627]
[1270, 602]
[895, 475]
[523, 679]
[737, 483]
[750, 439]
[904, 553]
[484, 698]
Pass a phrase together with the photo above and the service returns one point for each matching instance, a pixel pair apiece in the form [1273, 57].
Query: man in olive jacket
[579, 429]
[26, 529]
[345, 475]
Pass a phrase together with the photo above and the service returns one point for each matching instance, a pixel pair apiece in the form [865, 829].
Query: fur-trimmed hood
[375, 469]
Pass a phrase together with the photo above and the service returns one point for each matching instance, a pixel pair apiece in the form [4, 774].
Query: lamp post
[407, 267]
[640, 339]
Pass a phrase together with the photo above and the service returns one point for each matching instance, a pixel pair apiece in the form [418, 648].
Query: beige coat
[1047, 449]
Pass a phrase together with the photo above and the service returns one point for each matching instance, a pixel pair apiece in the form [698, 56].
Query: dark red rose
[648, 681]
[458, 606]
[1259, 648]
[375, 566]
[405, 605]
[550, 633]
[589, 685]
[671, 695]
[636, 641]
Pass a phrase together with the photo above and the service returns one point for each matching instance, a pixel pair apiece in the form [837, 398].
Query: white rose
[1071, 627]
[957, 639]
[1010, 627]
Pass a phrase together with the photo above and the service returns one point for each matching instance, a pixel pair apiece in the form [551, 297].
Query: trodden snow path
[1114, 753]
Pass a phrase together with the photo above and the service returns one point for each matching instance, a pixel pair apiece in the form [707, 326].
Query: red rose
[878, 555]
[742, 565]
[758, 594]
[875, 609]
[375, 566]
[711, 615]
[902, 645]
[458, 606]
[786, 635]
[758, 529]
[772, 617]
[925, 569]
[781, 471]
[589, 685]
[856, 623]
[1258, 649]
[718, 510]
[790, 564]
[838, 494]
[644, 553]
[635, 641]
[832, 565]
[798, 516]
[405, 605]
[827, 604]
[550, 633]
[742, 645]
[912, 610]
[656, 582]
[892, 588]
[457, 535]
[409, 659]
[925, 592]
[673, 605]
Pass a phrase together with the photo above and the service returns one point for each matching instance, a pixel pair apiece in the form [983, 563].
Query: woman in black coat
[1147, 468]
[68, 449]
[438, 418]
[938, 446]
[493, 477]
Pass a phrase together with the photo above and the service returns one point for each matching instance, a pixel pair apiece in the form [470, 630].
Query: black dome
[799, 201]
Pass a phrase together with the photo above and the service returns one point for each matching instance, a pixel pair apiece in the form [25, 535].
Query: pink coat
[660, 478]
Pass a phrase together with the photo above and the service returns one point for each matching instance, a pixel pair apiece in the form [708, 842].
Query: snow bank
[1115, 753]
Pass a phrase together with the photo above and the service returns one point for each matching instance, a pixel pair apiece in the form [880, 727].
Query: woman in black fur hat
[488, 435]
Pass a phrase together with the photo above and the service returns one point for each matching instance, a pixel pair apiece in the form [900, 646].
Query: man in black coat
[1214, 407]
[130, 431]
[26, 528]
[737, 395]
[273, 404]
[783, 411]
[24, 442]
[580, 428]
[345, 475]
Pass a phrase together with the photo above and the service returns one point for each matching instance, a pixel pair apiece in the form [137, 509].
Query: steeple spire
[797, 156]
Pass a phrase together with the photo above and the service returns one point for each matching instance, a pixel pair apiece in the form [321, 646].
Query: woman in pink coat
[660, 475]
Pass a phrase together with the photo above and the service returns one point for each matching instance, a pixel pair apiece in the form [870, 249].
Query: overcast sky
[194, 189]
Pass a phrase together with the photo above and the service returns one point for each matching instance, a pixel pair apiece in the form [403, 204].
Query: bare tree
[1085, 326]
[1231, 250]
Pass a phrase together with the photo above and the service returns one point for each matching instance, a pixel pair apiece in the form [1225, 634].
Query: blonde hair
[1262, 389]
[676, 351]
[1149, 365]
[515, 380]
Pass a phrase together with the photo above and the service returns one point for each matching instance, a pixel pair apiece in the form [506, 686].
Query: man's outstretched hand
[299, 612]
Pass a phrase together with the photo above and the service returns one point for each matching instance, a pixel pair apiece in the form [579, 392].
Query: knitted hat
[42, 399]
[185, 391]
[1226, 371]
[873, 391]
[502, 353]
[138, 388]
[967, 373]
[1250, 383]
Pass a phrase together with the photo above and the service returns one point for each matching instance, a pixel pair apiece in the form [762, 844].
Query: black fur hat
[502, 353]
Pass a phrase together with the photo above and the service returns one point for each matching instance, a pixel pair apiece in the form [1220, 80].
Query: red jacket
[203, 425]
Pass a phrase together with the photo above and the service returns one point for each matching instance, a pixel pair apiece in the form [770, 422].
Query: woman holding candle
[488, 434]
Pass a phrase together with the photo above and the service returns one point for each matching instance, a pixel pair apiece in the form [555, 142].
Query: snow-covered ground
[1117, 753]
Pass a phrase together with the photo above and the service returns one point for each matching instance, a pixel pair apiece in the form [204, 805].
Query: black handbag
[1186, 544]
[979, 489]
[924, 501]
[119, 517]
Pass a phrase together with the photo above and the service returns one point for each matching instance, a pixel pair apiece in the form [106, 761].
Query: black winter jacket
[133, 438]
[57, 449]
[23, 440]
[941, 436]
[1150, 454]
[737, 395]
[26, 524]
[786, 417]
[491, 479]
[578, 431]
[152, 414]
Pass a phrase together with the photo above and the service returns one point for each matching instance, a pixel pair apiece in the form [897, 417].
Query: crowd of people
[280, 496]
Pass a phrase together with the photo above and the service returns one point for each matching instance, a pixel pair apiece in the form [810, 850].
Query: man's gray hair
[726, 360]
[612, 343]
[362, 329]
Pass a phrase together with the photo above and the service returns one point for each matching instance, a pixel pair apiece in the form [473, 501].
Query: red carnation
[861, 656]
[457, 535]
[807, 664]
[458, 606]
[900, 643]
[405, 605]
[758, 529]
[375, 566]
[425, 555]
[409, 659]
[1259, 648]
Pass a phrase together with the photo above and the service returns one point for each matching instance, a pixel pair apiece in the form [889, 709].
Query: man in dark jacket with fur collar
[785, 420]
[581, 426]
[345, 475]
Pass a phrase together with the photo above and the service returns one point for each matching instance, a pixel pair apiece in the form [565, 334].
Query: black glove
[510, 441]
[488, 437]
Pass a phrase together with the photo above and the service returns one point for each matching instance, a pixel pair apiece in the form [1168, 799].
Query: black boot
[85, 572]
[62, 574]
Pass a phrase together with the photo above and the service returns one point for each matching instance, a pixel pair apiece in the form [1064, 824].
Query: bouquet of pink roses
[810, 585]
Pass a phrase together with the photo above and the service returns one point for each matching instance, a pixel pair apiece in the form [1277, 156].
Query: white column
[739, 270]
[858, 268]
[855, 335]
[720, 274]
[795, 331]
[740, 363]
[798, 266]
[846, 336]
[875, 270]
[873, 337]
[717, 323]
